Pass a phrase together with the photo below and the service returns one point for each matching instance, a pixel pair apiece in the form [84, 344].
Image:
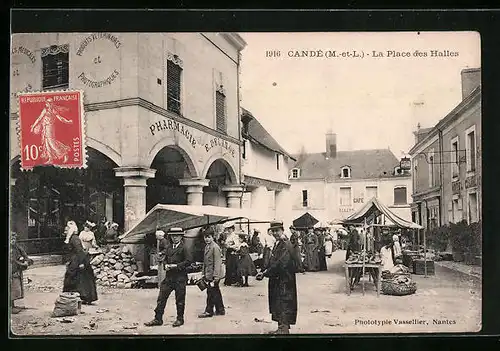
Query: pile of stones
[115, 267]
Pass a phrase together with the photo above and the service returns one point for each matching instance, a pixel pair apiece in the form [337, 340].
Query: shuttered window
[55, 67]
[174, 73]
[220, 111]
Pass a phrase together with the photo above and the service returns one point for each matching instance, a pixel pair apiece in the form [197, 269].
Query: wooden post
[425, 256]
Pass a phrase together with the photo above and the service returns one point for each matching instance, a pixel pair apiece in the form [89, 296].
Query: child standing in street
[246, 267]
[212, 274]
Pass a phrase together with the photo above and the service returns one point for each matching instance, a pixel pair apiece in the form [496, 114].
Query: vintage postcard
[245, 183]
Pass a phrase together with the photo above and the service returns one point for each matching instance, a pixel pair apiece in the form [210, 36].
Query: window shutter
[174, 72]
[220, 111]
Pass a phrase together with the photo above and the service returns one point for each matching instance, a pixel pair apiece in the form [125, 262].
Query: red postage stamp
[52, 129]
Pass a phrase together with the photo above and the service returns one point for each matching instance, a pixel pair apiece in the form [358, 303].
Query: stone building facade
[446, 162]
[333, 184]
[265, 173]
[162, 116]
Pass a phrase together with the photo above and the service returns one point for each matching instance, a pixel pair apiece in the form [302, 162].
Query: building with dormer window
[334, 184]
[265, 172]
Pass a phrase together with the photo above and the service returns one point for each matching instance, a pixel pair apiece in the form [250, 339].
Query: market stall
[375, 222]
[192, 219]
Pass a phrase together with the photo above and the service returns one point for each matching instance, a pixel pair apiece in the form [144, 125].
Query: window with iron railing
[55, 67]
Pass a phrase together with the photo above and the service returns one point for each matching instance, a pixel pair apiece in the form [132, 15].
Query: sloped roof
[258, 134]
[364, 164]
[375, 205]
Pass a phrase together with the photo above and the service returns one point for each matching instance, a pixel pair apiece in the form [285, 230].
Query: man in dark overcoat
[176, 261]
[282, 287]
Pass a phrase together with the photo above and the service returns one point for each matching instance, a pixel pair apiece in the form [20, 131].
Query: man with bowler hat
[176, 260]
[282, 287]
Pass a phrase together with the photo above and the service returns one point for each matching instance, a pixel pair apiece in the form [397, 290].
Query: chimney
[331, 145]
[471, 79]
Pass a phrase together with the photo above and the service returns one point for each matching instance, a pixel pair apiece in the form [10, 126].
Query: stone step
[46, 260]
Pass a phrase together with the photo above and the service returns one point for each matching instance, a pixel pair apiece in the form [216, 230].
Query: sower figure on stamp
[176, 260]
[212, 274]
[282, 288]
[45, 125]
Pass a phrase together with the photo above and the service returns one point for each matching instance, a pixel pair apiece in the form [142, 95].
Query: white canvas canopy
[376, 206]
[187, 217]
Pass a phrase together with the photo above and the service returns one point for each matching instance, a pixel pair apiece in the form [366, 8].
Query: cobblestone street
[451, 297]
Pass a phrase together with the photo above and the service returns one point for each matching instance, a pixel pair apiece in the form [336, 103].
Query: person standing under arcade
[176, 260]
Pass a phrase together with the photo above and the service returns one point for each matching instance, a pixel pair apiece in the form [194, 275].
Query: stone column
[234, 193]
[135, 183]
[194, 190]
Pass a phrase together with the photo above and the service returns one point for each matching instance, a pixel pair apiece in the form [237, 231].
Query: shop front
[131, 168]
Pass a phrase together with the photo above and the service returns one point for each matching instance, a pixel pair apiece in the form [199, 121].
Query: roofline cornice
[448, 119]
[235, 40]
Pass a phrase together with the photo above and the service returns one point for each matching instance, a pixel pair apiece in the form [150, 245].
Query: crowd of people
[280, 263]
[79, 248]
[275, 254]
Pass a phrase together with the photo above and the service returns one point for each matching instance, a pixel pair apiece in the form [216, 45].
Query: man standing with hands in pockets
[212, 274]
[176, 260]
[282, 288]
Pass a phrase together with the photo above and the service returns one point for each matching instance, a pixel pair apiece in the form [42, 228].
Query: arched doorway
[164, 188]
[44, 199]
[219, 174]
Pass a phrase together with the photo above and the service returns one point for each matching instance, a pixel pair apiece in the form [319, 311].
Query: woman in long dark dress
[79, 275]
[311, 261]
[246, 267]
[321, 251]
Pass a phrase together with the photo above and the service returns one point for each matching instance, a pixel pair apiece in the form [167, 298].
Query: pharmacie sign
[189, 133]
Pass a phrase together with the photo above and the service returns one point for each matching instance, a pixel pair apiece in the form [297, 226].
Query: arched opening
[164, 188]
[44, 199]
[219, 174]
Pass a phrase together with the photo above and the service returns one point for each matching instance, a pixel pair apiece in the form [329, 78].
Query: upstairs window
[277, 161]
[304, 198]
[345, 172]
[454, 157]
[400, 195]
[295, 173]
[471, 148]
[244, 149]
[431, 169]
[220, 110]
[55, 67]
[174, 76]
[345, 196]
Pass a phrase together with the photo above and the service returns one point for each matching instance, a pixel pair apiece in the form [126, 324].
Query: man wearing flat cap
[176, 259]
[282, 287]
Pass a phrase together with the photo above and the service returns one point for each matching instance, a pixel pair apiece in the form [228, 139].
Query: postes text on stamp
[52, 129]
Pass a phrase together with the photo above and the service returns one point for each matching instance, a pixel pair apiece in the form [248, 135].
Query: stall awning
[165, 217]
[376, 206]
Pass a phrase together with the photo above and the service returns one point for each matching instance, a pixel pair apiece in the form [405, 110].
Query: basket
[202, 284]
[386, 275]
[390, 287]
